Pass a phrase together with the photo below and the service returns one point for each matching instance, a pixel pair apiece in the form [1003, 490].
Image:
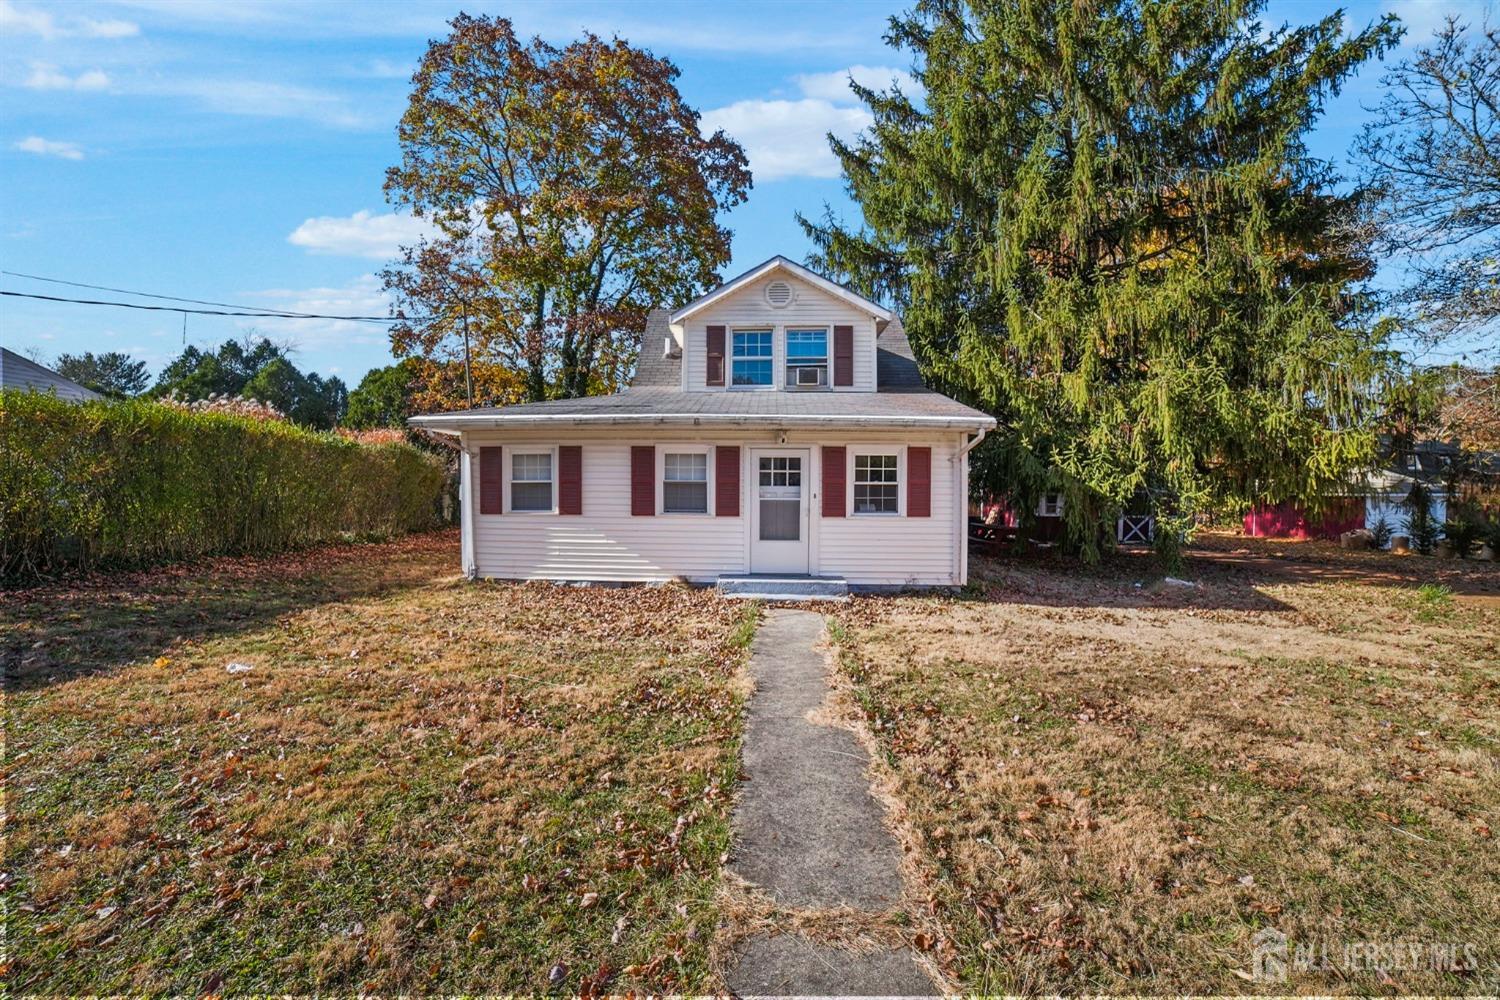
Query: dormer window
[806, 358]
[750, 363]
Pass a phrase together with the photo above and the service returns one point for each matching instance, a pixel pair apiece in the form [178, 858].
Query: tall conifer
[1102, 223]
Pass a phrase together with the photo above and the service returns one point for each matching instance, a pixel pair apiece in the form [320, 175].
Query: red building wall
[1287, 520]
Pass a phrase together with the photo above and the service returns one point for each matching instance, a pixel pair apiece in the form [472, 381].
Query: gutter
[456, 423]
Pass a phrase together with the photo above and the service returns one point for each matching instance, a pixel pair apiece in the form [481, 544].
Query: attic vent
[779, 294]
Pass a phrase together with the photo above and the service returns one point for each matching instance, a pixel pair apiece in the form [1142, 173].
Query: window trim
[770, 330]
[855, 451]
[1042, 504]
[509, 457]
[685, 448]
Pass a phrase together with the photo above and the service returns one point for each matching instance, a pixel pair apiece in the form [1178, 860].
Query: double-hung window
[750, 359]
[1050, 505]
[684, 487]
[806, 358]
[531, 480]
[877, 486]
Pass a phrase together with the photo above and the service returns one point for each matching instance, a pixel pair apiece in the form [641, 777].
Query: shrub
[1380, 533]
[1464, 534]
[135, 482]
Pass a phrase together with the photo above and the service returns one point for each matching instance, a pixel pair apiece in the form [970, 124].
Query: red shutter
[843, 355]
[714, 375]
[835, 479]
[642, 480]
[569, 479]
[919, 482]
[491, 480]
[727, 481]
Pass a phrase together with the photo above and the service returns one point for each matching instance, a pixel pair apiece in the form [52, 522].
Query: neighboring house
[1372, 497]
[776, 426]
[26, 375]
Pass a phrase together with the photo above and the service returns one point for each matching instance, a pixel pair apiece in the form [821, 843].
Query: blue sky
[235, 151]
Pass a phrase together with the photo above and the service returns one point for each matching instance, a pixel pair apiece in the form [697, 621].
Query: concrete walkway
[807, 831]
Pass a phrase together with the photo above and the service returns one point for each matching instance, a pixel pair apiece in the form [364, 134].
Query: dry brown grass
[422, 785]
[1113, 787]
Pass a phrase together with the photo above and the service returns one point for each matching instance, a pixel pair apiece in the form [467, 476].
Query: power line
[258, 311]
[144, 295]
[202, 312]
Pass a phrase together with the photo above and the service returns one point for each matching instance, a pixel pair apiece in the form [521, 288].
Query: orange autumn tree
[569, 190]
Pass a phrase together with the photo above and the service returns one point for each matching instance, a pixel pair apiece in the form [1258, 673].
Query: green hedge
[136, 482]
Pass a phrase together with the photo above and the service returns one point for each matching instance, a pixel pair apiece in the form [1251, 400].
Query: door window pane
[780, 498]
[780, 520]
[781, 471]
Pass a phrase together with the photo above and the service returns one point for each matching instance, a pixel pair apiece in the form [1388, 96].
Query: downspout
[961, 459]
[964, 451]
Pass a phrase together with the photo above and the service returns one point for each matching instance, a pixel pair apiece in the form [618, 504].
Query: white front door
[778, 514]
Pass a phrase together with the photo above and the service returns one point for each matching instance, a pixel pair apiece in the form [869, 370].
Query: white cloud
[25, 21]
[49, 147]
[788, 138]
[45, 76]
[36, 21]
[364, 296]
[269, 100]
[1424, 18]
[834, 86]
[111, 28]
[379, 237]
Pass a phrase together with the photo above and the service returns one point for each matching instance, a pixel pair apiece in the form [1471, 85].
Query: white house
[777, 427]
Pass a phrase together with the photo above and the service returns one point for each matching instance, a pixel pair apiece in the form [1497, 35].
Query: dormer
[778, 327]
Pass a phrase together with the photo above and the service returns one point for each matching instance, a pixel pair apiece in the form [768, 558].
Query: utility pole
[468, 375]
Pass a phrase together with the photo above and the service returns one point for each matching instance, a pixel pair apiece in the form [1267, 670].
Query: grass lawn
[1111, 788]
[419, 785]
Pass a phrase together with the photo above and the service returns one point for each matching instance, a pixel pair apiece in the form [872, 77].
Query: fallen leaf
[477, 932]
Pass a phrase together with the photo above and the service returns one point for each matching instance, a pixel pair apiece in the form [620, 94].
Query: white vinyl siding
[608, 544]
[897, 551]
[747, 309]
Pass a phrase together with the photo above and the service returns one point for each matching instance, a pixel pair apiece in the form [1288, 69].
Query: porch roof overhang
[457, 423]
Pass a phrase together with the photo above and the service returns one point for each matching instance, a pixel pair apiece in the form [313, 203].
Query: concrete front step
[762, 587]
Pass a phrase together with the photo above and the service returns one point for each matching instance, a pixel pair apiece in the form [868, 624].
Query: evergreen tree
[1102, 224]
[111, 373]
[1422, 529]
